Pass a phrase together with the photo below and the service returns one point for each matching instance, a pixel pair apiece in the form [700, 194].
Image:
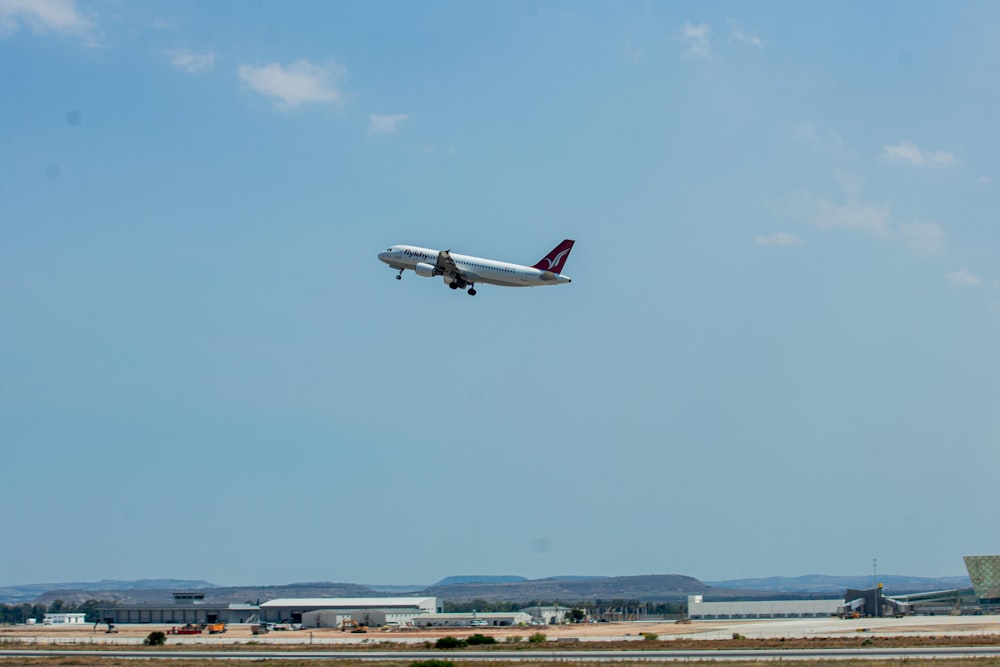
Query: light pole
[875, 589]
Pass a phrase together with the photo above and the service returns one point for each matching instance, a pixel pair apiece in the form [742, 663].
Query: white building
[473, 619]
[548, 615]
[698, 609]
[334, 618]
[294, 609]
[64, 619]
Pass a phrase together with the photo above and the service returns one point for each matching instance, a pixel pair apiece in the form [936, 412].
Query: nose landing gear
[399, 276]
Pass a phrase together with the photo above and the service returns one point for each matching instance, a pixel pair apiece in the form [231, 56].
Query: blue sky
[778, 354]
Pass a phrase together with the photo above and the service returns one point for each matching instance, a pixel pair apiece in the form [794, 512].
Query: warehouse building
[698, 609]
[292, 610]
[179, 614]
[339, 618]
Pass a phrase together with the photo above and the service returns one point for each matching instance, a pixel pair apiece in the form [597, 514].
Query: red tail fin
[556, 259]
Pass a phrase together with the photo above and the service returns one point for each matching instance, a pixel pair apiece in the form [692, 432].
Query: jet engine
[424, 269]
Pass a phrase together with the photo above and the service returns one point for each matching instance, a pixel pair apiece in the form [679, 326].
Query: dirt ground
[920, 630]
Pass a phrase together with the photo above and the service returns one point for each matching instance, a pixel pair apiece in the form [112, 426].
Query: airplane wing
[447, 264]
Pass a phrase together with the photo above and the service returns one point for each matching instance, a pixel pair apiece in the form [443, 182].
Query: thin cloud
[908, 152]
[743, 37]
[921, 238]
[191, 62]
[299, 83]
[42, 16]
[696, 38]
[825, 214]
[984, 180]
[962, 278]
[820, 137]
[779, 240]
[385, 123]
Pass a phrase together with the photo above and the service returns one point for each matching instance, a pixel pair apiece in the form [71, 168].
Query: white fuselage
[479, 269]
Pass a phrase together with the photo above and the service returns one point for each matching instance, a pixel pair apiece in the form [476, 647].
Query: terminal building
[984, 571]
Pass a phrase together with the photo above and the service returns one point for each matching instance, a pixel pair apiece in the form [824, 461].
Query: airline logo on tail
[555, 260]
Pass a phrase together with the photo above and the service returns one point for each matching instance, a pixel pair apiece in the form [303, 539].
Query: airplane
[461, 271]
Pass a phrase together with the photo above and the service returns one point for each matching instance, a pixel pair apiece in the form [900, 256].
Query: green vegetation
[155, 638]
[478, 640]
[450, 642]
[650, 636]
[432, 663]
[514, 639]
[537, 638]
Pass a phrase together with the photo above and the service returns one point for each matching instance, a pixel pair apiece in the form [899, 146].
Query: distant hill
[479, 579]
[823, 583]
[215, 594]
[30, 592]
[651, 588]
[396, 589]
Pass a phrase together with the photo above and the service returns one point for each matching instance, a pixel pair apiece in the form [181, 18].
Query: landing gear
[453, 285]
[399, 276]
[472, 291]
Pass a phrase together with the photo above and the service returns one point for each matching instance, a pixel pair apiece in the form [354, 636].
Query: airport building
[984, 571]
[366, 611]
[473, 619]
[179, 614]
[698, 609]
[72, 618]
[548, 615]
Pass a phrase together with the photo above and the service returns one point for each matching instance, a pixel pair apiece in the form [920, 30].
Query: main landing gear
[460, 284]
[399, 276]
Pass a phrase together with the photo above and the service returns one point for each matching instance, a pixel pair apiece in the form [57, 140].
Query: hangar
[700, 610]
[291, 610]
[178, 614]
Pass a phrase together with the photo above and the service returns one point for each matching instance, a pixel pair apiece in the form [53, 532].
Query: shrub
[537, 638]
[650, 636]
[432, 663]
[450, 642]
[514, 639]
[737, 635]
[477, 639]
[155, 638]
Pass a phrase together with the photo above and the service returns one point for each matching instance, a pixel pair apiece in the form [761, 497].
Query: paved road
[602, 656]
